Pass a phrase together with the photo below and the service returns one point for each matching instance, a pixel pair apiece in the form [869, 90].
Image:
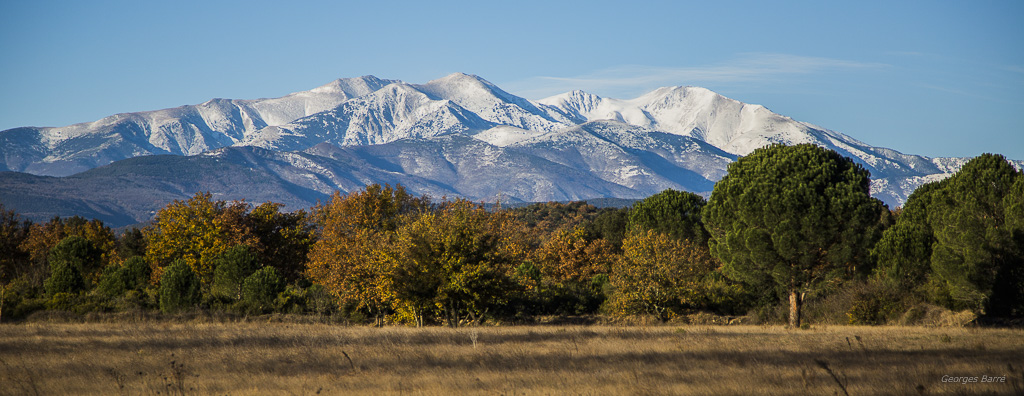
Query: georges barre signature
[972, 380]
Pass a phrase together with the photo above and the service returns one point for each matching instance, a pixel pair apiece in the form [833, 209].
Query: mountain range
[456, 136]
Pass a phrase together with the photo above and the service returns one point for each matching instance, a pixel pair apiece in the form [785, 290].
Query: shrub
[876, 304]
[320, 301]
[179, 288]
[62, 301]
[261, 289]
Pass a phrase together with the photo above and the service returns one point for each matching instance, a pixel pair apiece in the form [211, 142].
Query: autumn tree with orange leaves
[196, 231]
[353, 257]
[574, 268]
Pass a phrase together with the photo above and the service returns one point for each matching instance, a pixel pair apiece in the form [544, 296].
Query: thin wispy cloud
[636, 79]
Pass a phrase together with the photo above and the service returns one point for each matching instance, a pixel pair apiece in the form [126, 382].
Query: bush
[62, 301]
[261, 289]
[877, 303]
[21, 298]
[179, 288]
[320, 301]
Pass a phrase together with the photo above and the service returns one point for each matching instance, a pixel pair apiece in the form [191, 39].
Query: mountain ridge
[458, 135]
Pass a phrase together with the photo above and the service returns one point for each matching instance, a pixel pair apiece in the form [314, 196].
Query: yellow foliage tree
[353, 257]
[197, 231]
[659, 275]
[567, 256]
[458, 262]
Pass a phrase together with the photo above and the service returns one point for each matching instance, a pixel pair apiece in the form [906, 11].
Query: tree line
[787, 225]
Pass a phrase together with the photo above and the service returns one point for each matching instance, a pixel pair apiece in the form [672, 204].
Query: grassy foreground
[301, 359]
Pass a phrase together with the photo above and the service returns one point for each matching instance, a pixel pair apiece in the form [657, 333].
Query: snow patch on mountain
[504, 135]
[462, 134]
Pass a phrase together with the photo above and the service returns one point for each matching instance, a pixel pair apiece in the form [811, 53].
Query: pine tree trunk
[795, 301]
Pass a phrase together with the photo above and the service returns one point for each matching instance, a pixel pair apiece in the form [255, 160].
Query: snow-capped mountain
[462, 135]
[458, 103]
[184, 130]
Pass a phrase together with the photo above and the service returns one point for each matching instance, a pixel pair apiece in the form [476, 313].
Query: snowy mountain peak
[352, 87]
[464, 89]
[491, 103]
[671, 137]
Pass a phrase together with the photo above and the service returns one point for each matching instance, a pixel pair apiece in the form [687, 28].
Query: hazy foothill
[790, 277]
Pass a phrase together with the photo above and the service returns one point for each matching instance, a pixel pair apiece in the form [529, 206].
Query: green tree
[798, 217]
[261, 288]
[903, 254]
[131, 243]
[1008, 294]
[974, 259]
[179, 287]
[118, 279]
[231, 268]
[284, 238]
[78, 253]
[64, 278]
[671, 212]
[610, 224]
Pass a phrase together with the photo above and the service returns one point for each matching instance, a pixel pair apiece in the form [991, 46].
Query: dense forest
[791, 234]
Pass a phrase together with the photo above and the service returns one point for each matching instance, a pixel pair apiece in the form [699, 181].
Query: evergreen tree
[261, 288]
[671, 212]
[231, 268]
[974, 249]
[131, 243]
[611, 225]
[903, 254]
[64, 278]
[71, 259]
[179, 287]
[132, 275]
[797, 217]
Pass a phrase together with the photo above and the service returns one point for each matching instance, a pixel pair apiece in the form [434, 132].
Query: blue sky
[937, 78]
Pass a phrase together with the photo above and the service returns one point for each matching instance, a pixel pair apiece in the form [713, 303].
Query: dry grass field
[302, 359]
